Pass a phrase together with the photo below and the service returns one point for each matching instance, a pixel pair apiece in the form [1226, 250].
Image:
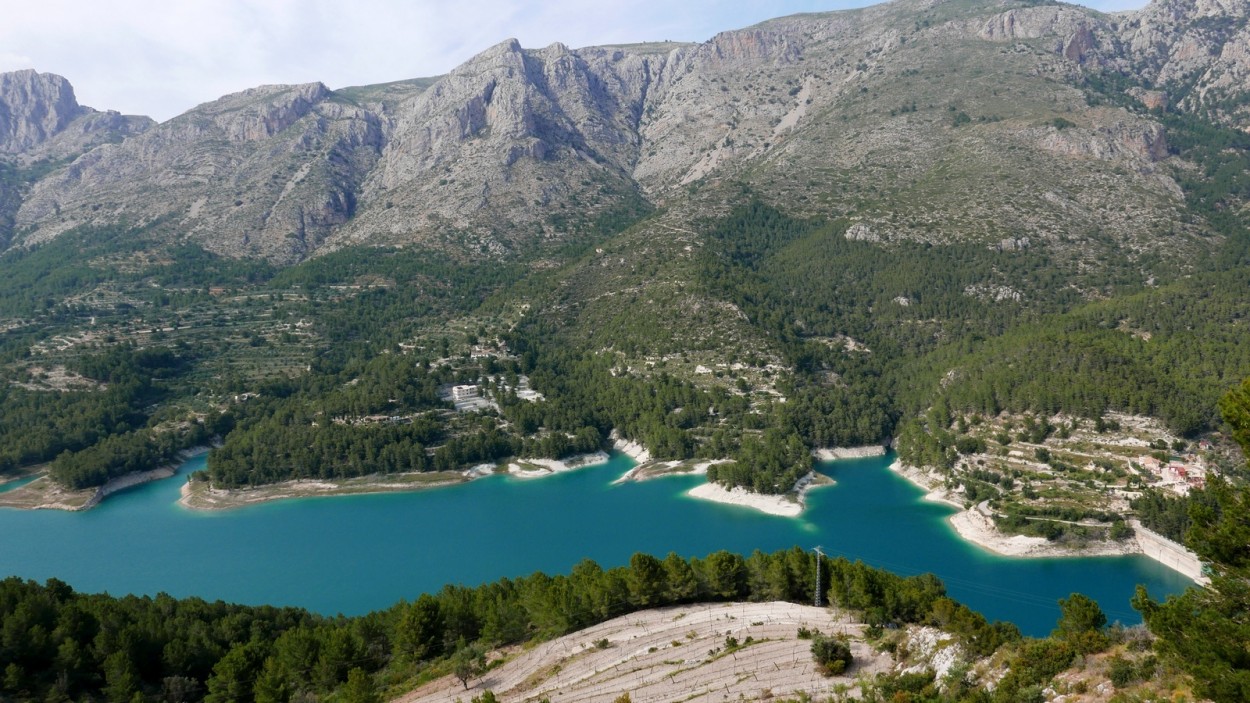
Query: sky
[163, 57]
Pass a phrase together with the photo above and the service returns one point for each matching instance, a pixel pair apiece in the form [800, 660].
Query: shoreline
[201, 496]
[630, 448]
[839, 453]
[789, 504]
[50, 496]
[539, 468]
[139, 478]
[663, 469]
[973, 525]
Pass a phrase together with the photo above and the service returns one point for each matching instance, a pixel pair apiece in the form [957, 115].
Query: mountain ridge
[479, 160]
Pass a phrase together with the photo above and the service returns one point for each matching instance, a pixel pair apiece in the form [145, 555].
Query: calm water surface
[354, 554]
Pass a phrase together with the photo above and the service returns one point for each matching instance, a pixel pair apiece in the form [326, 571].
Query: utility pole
[820, 556]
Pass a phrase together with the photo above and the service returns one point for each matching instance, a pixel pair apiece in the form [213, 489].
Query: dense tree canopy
[1205, 629]
[60, 645]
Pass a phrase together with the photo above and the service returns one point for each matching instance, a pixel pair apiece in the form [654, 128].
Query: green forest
[60, 645]
[798, 282]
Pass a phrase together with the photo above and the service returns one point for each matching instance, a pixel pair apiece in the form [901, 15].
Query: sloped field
[673, 654]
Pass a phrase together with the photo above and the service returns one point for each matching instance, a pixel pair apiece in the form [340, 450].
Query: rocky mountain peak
[34, 107]
[257, 113]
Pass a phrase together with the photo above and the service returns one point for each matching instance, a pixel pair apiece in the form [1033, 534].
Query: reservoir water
[353, 554]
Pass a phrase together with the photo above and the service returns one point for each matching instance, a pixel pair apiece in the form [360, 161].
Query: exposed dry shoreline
[630, 448]
[837, 453]
[201, 496]
[537, 468]
[45, 494]
[976, 526]
[789, 504]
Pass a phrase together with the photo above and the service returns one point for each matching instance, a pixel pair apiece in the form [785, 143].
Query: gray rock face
[41, 118]
[41, 121]
[34, 107]
[519, 147]
[505, 139]
[1202, 44]
[266, 172]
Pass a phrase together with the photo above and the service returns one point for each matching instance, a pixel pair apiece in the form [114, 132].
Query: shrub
[832, 654]
[1121, 672]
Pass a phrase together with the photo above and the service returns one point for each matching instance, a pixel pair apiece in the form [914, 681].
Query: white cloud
[160, 58]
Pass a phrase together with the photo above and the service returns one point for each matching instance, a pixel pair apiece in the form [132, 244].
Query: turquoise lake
[354, 554]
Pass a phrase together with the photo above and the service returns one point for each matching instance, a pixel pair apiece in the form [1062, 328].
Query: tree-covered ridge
[802, 284]
[1160, 353]
[90, 436]
[61, 645]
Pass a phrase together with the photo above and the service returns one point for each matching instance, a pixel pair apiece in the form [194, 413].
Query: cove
[353, 554]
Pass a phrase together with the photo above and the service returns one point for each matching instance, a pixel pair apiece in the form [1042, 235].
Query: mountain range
[849, 113]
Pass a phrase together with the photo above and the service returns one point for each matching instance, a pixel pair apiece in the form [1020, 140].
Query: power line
[820, 556]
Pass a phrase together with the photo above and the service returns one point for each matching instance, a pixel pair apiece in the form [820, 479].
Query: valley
[1005, 242]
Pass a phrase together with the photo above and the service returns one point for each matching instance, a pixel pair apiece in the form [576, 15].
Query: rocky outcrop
[41, 119]
[1200, 46]
[1072, 33]
[755, 44]
[34, 107]
[1133, 141]
[1032, 23]
[260, 113]
[1151, 99]
[506, 139]
[862, 232]
[267, 172]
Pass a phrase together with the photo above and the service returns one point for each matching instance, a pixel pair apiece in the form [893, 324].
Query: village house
[463, 392]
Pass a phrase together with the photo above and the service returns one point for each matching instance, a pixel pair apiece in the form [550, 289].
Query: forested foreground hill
[807, 233]
[60, 645]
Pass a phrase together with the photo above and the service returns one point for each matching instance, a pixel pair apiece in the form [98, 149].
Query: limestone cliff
[34, 107]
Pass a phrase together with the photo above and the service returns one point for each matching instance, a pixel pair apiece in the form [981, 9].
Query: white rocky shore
[791, 503]
[537, 468]
[783, 505]
[788, 504]
[130, 480]
[836, 453]
[976, 526]
[630, 448]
